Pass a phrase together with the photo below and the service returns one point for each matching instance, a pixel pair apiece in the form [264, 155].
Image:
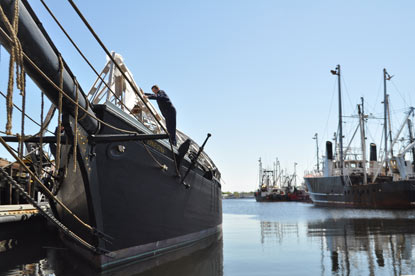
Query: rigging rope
[27, 116]
[22, 136]
[58, 134]
[42, 106]
[77, 104]
[84, 57]
[113, 60]
[125, 76]
[399, 92]
[86, 113]
[162, 166]
[75, 142]
[16, 57]
[46, 191]
[63, 92]
[47, 215]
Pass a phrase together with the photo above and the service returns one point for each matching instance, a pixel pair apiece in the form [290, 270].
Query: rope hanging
[75, 138]
[27, 116]
[22, 135]
[162, 166]
[16, 57]
[42, 106]
[58, 134]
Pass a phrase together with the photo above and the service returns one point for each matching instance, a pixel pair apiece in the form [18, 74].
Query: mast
[385, 123]
[390, 125]
[278, 174]
[411, 140]
[318, 161]
[337, 72]
[363, 139]
[260, 173]
[295, 174]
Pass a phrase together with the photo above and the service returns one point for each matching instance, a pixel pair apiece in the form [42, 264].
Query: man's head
[155, 89]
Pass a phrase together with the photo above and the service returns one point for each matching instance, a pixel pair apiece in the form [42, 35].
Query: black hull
[296, 197]
[332, 191]
[126, 195]
[271, 198]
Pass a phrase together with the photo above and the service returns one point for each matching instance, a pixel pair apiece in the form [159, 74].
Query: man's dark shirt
[163, 101]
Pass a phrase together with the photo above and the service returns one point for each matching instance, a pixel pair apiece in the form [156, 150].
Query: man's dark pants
[171, 125]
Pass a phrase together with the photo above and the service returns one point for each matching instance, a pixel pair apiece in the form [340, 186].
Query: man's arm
[150, 96]
[162, 96]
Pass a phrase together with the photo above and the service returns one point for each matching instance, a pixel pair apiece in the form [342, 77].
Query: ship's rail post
[347, 180]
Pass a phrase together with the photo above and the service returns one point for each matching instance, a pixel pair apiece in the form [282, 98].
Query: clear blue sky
[253, 73]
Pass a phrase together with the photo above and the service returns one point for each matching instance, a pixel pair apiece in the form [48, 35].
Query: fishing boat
[278, 185]
[350, 180]
[121, 191]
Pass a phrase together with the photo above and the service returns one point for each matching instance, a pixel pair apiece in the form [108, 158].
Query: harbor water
[282, 238]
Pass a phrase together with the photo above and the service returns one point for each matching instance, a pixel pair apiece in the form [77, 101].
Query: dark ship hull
[297, 196]
[333, 192]
[271, 197]
[136, 208]
[146, 210]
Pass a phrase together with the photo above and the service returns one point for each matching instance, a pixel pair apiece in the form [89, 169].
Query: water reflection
[34, 249]
[205, 259]
[355, 244]
[272, 231]
[299, 239]
[23, 248]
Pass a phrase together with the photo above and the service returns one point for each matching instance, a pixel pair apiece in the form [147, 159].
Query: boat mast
[318, 161]
[279, 180]
[363, 139]
[337, 72]
[411, 140]
[386, 77]
[390, 126]
[260, 172]
[295, 174]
